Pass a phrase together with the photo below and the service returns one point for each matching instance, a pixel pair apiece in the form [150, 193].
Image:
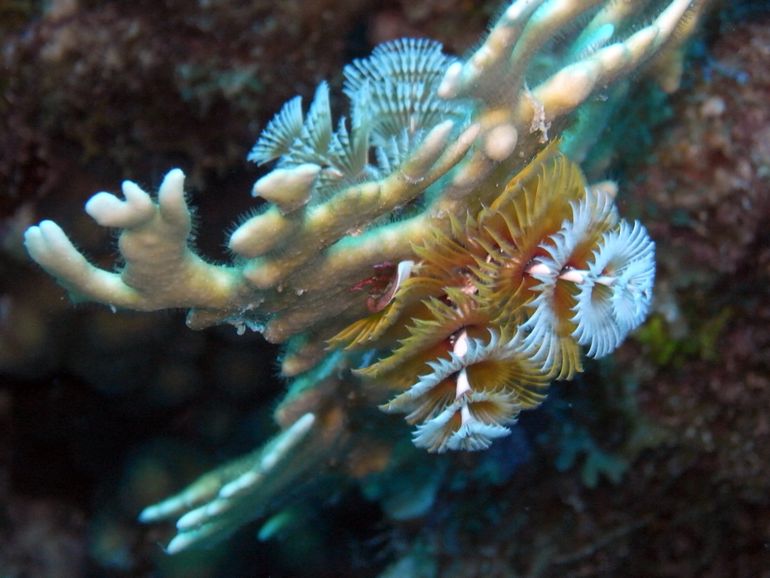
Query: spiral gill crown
[497, 309]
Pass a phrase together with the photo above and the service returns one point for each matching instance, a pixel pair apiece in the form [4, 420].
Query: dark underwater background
[653, 463]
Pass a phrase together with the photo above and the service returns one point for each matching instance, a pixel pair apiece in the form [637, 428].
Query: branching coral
[487, 259]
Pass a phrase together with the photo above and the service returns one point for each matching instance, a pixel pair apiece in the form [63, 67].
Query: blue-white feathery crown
[393, 104]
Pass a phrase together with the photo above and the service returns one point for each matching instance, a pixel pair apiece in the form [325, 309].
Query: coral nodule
[439, 253]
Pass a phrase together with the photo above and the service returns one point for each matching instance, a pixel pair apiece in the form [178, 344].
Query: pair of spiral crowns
[490, 314]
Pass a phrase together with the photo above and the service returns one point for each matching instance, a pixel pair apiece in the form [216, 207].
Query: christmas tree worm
[436, 253]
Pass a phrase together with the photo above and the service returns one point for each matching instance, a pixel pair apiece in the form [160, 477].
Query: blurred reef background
[654, 462]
